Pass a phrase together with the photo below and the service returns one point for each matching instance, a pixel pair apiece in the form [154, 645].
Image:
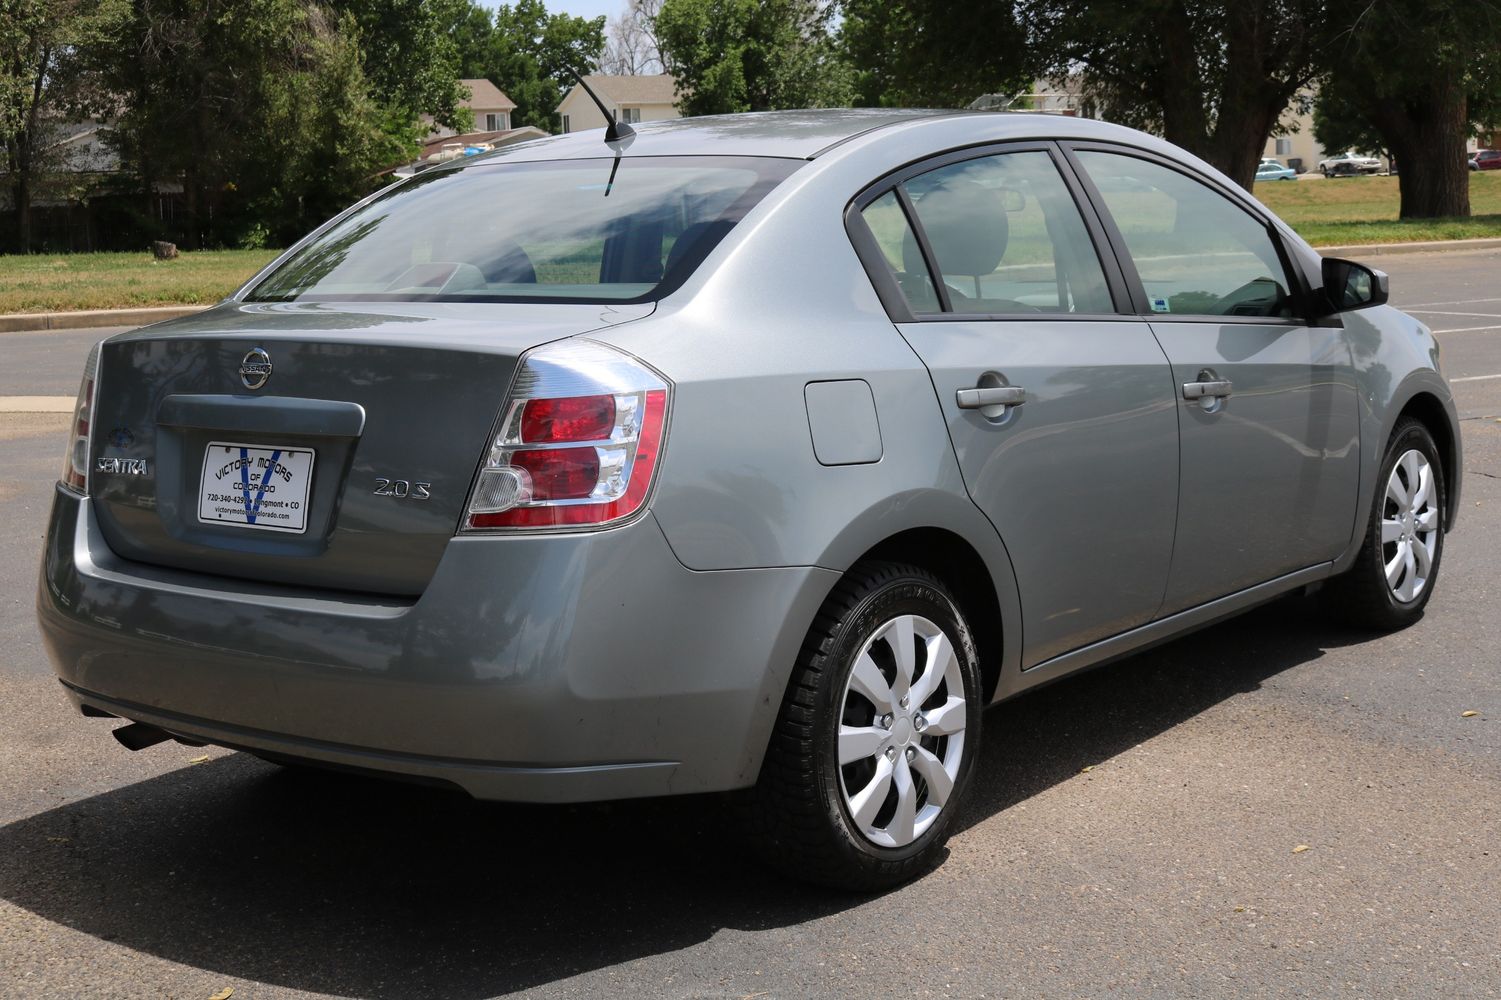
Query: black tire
[796, 816]
[1362, 594]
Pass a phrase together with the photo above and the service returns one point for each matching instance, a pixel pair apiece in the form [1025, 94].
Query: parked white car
[1348, 164]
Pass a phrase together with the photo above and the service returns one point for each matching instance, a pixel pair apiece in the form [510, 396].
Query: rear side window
[888, 224]
[549, 231]
[1006, 238]
[1196, 251]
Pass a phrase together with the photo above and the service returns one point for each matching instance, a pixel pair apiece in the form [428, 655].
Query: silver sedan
[752, 454]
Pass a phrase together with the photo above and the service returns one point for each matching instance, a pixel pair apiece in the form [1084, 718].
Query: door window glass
[1196, 251]
[888, 223]
[1007, 237]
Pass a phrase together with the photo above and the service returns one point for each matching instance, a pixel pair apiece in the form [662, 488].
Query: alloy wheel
[1409, 526]
[901, 731]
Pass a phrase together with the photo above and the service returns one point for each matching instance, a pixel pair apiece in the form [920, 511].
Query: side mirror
[1348, 285]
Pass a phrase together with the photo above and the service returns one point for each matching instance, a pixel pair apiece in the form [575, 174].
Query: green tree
[917, 53]
[260, 107]
[527, 53]
[1420, 97]
[752, 55]
[43, 84]
[1212, 76]
[412, 60]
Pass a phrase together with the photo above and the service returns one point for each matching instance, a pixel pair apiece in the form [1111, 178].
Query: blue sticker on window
[1160, 306]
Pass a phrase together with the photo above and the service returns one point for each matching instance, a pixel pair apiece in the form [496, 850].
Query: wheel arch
[956, 562]
[1428, 410]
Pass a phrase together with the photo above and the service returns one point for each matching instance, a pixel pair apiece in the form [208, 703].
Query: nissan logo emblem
[255, 370]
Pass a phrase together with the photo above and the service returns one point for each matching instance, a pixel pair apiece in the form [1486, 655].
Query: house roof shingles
[484, 94]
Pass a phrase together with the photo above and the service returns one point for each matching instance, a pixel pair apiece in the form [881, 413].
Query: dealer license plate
[255, 486]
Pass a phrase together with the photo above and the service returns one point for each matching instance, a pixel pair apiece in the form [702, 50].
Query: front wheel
[877, 735]
[1394, 574]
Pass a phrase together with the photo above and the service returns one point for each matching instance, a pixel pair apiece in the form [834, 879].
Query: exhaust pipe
[139, 736]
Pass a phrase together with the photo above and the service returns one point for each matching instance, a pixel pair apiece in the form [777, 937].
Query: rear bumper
[547, 669]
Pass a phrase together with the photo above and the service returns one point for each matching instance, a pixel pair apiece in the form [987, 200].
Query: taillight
[578, 443]
[80, 441]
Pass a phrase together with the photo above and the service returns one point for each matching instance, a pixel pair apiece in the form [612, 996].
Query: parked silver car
[753, 454]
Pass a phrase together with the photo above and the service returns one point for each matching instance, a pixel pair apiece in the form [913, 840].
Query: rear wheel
[1394, 574]
[876, 738]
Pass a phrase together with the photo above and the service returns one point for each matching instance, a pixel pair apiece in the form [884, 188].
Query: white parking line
[1468, 329]
[36, 404]
[1454, 302]
[1438, 312]
[1475, 378]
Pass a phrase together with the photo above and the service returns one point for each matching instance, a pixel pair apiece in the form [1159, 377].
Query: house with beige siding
[492, 108]
[632, 98]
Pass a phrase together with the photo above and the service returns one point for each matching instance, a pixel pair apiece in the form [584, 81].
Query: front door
[1060, 410]
[1267, 404]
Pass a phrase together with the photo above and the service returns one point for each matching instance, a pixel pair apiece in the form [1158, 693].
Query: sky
[579, 8]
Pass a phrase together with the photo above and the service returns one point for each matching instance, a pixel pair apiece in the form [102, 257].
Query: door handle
[1216, 388]
[991, 395]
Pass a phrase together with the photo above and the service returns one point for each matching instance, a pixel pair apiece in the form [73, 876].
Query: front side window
[544, 231]
[1196, 251]
[1006, 237]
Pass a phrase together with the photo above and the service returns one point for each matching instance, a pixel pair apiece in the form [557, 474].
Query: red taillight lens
[76, 461]
[560, 473]
[573, 418]
[577, 459]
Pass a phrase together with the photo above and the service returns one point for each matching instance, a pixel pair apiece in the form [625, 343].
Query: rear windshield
[549, 231]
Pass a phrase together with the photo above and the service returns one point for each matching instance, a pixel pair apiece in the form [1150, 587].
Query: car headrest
[966, 226]
[698, 239]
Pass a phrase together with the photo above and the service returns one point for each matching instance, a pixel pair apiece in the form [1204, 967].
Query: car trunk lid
[355, 454]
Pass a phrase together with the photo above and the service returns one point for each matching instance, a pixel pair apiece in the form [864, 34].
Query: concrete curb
[89, 318]
[1358, 250]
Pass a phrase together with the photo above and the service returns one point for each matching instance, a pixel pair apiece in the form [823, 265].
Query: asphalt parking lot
[1132, 832]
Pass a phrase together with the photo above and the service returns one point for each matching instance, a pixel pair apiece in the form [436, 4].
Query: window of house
[630, 116]
[1196, 250]
[496, 122]
[565, 124]
[1284, 147]
[1006, 238]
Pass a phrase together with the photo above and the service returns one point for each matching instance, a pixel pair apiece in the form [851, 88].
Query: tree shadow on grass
[361, 888]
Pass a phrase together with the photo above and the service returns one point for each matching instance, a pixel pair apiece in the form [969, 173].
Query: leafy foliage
[527, 52]
[411, 59]
[1420, 99]
[928, 53]
[260, 106]
[752, 55]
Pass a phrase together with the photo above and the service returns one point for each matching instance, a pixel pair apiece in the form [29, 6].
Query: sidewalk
[86, 319]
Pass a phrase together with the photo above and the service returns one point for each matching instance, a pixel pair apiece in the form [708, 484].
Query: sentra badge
[123, 466]
[255, 370]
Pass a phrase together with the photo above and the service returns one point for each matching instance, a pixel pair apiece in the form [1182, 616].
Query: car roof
[796, 134]
[803, 134]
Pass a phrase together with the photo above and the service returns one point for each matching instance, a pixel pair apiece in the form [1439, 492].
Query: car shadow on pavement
[359, 888]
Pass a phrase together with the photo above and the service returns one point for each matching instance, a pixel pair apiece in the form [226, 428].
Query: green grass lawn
[1325, 212]
[56, 282]
[1364, 210]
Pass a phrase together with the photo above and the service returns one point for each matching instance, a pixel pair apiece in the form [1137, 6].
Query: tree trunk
[1427, 136]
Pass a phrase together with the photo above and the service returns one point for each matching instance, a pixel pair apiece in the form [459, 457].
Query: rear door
[1059, 409]
[1267, 403]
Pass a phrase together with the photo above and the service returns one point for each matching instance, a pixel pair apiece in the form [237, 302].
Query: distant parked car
[1271, 170]
[1486, 159]
[1349, 164]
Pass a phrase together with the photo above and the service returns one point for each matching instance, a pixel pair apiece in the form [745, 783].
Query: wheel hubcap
[1409, 526]
[901, 731]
